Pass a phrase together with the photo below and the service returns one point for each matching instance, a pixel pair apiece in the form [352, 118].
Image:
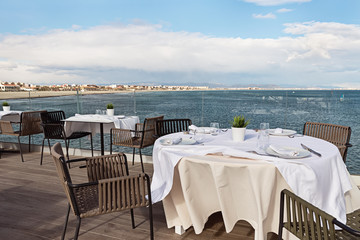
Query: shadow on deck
[33, 206]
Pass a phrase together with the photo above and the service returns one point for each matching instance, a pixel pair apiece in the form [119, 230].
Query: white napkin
[278, 130]
[174, 141]
[192, 128]
[283, 151]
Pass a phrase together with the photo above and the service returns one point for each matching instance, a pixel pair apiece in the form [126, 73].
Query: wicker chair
[143, 136]
[308, 222]
[29, 125]
[110, 188]
[168, 126]
[336, 134]
[53, 128]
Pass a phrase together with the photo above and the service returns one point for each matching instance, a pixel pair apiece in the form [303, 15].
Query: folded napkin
[278, 130]
[283, 151]
[192, 128]
[174, 141]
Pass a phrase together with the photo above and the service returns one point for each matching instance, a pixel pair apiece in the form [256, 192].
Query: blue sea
[281, 108]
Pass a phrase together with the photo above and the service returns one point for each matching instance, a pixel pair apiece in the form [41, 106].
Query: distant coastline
[43, 94]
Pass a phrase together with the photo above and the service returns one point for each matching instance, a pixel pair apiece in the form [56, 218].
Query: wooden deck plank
[33, 206]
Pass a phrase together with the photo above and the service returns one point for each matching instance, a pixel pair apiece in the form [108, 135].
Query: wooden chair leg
[21, 153]
[77, 228]
[66, 222]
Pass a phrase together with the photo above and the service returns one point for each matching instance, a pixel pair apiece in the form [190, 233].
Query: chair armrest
[83, 185]
[347, 228]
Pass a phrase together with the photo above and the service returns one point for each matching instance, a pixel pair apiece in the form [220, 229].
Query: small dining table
[203, 174]
[94, 123]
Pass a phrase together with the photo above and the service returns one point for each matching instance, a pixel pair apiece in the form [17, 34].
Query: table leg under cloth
[242, 189]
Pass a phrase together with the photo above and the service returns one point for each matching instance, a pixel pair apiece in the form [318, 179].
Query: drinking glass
[98, 111]
[264, 126]
[263, 137]
[214, 128]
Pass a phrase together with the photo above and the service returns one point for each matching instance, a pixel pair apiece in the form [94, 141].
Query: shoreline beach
[44, 94]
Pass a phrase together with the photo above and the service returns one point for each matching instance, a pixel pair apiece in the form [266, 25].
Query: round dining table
[198, 175]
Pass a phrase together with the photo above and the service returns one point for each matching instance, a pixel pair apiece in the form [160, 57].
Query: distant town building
[9, 87]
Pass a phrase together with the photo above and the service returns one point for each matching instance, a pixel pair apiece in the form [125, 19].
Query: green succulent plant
[5, 104]
[110, 106]
[240, 122]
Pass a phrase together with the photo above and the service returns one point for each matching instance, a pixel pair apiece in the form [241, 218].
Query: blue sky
[298, 43]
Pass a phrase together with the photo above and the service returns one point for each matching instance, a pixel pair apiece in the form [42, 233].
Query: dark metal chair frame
[308, 222]
[53, 128]
[168, 126]
[110, 188]
[29, 125]
[336, 134]
[143, 136]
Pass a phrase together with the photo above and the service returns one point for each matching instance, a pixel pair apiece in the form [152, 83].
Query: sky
[225, 43]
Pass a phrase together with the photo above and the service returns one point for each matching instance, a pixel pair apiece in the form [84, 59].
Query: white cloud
[284, 10]
[266, 16]
[275, 2]
[314, 53]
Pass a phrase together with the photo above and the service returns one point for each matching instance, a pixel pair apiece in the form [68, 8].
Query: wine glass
[263, 137]
[214, 128]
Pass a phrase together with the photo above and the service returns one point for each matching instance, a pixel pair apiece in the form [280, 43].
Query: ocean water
[281, 108]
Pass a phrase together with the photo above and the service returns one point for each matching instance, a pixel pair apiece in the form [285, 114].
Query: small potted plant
[110, 109]
[6, 106]
[238, 128]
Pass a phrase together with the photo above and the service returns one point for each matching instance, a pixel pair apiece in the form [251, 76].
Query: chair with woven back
[53, 127]
[336, 134]
[143, 136]
[168, 126]
[109, 189]
[29, 125]
[308, 222]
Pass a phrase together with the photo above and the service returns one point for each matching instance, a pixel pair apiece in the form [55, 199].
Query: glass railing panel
[281, 108]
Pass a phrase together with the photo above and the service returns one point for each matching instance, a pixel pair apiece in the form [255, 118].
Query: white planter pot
[238, 134]
[6, 108]
[110, 112]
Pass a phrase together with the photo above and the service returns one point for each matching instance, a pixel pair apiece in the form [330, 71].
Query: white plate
[285, 132]
[302, 153]
[187, 141]
[120, 116]
[184, 141]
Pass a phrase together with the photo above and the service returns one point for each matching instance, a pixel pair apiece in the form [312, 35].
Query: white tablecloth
[323, 181]
[13, 116]
[90, 123]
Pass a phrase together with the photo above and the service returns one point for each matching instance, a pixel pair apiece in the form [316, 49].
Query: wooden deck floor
[33, 206]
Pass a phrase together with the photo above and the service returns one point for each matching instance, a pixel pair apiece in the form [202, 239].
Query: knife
[310, 150]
